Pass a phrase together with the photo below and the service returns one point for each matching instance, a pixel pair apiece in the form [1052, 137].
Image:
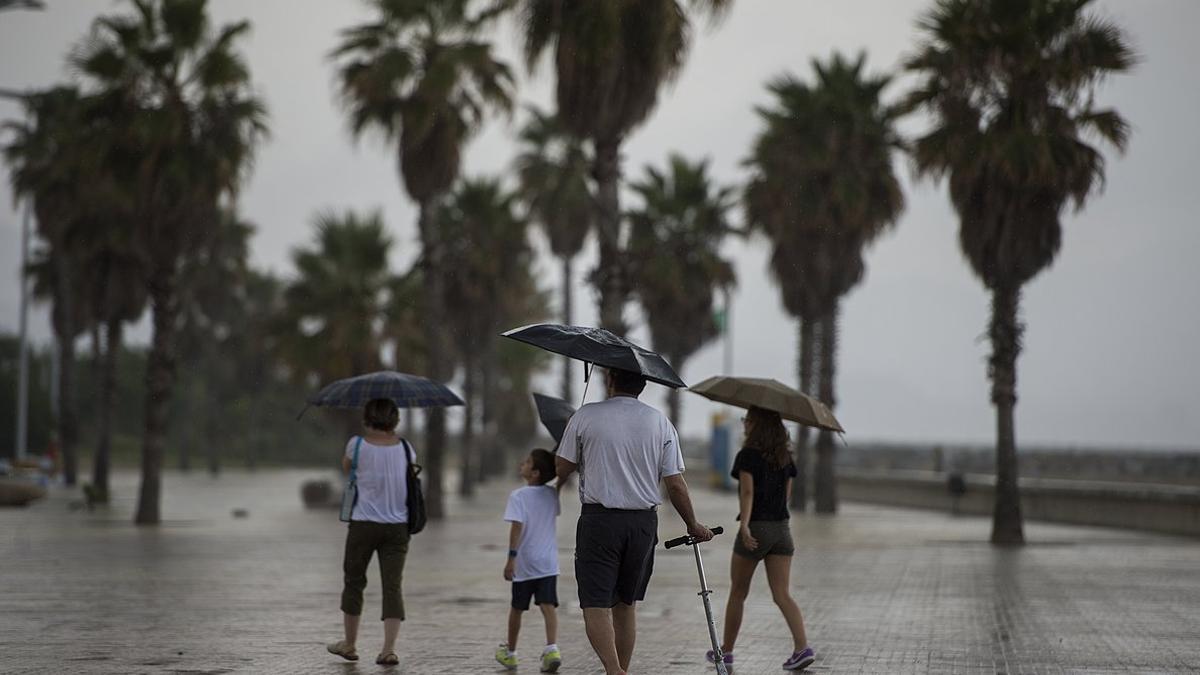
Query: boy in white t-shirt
[532, 565]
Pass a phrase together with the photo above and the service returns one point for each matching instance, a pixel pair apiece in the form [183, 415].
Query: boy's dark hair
[381, 414]
[626, 382]
[543, 463]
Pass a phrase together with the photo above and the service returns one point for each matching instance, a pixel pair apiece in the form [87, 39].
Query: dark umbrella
[600, 347]
[554, 414]
[407, 391]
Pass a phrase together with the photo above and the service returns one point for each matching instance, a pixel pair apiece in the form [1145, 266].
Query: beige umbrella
[746, 392]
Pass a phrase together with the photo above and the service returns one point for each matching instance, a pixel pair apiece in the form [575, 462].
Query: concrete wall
[1159, 508]
[1177, 467]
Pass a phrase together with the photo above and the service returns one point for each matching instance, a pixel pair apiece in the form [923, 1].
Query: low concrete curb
[1140, 506]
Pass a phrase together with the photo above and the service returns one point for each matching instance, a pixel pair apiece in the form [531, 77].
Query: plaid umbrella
[407, 391]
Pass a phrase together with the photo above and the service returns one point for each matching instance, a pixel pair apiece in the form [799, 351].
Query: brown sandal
[388, 659]
[340, 648]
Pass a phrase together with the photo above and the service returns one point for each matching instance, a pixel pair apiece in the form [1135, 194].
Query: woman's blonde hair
[768, 436]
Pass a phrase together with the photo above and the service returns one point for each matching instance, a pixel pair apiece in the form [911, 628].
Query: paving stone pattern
[883, 591]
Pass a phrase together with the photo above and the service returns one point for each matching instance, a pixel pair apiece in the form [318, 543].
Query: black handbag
[416, 498]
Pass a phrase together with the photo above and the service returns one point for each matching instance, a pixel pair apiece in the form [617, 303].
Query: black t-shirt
[770, 484]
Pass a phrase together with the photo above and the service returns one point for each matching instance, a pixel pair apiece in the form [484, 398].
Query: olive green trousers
[390, 542]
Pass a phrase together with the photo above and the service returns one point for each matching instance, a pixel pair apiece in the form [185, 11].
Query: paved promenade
[883, 591]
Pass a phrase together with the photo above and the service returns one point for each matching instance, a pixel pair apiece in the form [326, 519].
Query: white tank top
[382, 487]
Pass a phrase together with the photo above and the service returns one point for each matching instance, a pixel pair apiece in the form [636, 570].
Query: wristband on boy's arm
[512, 552]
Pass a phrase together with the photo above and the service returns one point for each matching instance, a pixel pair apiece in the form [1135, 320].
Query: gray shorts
[774, 538]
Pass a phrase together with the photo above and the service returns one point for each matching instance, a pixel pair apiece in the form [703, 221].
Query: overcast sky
[1110, 349]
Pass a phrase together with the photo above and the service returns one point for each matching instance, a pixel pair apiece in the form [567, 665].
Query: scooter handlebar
[688, 539]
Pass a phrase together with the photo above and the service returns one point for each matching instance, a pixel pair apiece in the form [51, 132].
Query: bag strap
[409, 455]
[354, 462]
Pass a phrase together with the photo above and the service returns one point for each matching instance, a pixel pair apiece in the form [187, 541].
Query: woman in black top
[765, 471]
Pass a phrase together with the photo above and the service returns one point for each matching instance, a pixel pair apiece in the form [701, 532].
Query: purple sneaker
[800, 660]
[711, 657]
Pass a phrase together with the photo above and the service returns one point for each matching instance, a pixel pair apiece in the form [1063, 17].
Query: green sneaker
[505, 657]
[551, 660]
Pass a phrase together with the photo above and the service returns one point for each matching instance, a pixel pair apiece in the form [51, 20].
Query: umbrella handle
[688, 539]
[587, 380]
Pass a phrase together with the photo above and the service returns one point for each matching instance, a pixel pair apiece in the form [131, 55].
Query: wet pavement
[883, 590]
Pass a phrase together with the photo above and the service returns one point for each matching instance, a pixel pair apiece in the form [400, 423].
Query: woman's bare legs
[779, 572]
[391, 628]
[741, 571]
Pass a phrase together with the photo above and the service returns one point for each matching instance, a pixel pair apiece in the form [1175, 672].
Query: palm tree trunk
[97, 348]
[108, 388]
[351, 422]
[435, 418]
[254, 433]
[825, 488]
[610, 274]
[68, 421]
[68, 418]
[160, 379]
[467, 468]
[495, 460]
[568, 275]
[1005, 333]
[674, 404]
[806, 333]
[410, 423]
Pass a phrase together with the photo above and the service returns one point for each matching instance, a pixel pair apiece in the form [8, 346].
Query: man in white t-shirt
[532, 565]
[621, 448]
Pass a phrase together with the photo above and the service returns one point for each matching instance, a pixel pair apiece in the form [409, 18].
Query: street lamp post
[23, 359]
[727, 361]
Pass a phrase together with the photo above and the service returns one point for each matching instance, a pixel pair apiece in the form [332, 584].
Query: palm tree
[554, 185]
[674, 244]
[1009, 86]
[420, 75]
[823, 187]
[213, 295]
[89, 267]
[185, 125]
[115, 275]
[611, 57]
[404, 331]
[330, 325]
[49, 159]
[487, 246]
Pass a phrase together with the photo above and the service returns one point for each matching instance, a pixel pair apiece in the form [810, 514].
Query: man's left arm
[677, 492]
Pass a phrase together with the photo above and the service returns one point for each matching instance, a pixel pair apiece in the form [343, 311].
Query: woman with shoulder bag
[377, 510]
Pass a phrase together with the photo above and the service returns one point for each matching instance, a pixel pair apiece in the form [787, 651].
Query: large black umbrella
[407, 391]
[554, 414]
[600, 347]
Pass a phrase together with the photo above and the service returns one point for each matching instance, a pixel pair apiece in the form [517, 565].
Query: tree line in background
[134, 171]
